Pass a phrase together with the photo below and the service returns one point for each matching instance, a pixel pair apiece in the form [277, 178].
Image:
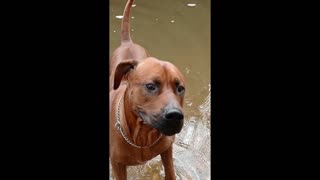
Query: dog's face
[156, 91]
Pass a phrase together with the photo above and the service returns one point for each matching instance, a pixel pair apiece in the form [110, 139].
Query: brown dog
[146, 98]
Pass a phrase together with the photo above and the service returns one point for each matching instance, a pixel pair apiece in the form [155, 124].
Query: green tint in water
[179, 32]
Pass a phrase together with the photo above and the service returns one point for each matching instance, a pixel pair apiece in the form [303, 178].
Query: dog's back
[127, 49]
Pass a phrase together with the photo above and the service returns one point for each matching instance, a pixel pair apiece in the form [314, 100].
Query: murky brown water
[176, 31]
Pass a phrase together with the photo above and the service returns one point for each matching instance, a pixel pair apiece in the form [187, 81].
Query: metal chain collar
[118, 127]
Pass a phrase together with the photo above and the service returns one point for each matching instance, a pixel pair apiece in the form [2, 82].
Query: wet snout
[172, 122]
[174, 114]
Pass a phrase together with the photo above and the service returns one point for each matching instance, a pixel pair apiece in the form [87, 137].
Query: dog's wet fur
[146, 96]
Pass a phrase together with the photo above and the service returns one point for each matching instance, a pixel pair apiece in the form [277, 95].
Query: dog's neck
[137, 131]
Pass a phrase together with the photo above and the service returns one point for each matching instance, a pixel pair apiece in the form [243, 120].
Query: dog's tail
[125, 26]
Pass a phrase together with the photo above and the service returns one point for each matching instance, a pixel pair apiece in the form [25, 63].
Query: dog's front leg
[167, 161]
[119, 171]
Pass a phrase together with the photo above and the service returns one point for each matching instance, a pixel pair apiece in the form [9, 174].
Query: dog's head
[156, 91]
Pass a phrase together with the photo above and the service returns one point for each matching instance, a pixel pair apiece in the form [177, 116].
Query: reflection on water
[176, 31]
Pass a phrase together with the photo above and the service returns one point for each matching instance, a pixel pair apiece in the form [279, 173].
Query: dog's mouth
[148, 119]
[159, 122]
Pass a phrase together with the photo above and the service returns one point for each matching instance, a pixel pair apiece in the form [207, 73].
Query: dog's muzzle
[172, 122]
[168, 122]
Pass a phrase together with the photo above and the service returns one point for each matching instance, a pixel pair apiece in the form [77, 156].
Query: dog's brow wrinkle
[176, 81]
[157, 80]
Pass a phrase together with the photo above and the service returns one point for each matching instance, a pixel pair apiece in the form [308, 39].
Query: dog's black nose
[172, 122]
[174, 114]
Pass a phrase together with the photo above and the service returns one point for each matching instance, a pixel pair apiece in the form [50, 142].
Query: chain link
[118, 127]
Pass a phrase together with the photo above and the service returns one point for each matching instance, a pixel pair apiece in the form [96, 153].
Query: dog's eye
[151, 86]
[180, 89]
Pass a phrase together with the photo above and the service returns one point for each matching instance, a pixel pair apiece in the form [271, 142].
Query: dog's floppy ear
[122, 69]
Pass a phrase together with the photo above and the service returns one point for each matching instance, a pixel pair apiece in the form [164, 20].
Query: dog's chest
[137, 157]
[134, 156]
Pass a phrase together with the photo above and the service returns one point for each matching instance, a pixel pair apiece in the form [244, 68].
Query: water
[176, 31]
